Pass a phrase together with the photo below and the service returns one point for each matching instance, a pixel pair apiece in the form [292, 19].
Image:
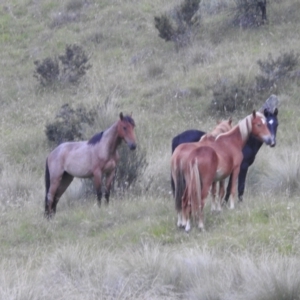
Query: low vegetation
[92, 60]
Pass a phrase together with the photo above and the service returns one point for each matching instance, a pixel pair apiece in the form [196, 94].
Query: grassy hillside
[132, 249]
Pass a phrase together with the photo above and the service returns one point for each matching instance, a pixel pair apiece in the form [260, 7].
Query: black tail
[180, 190]
[47, 183]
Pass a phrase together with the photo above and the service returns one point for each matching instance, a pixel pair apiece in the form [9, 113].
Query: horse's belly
[79, 168]
[220, 175]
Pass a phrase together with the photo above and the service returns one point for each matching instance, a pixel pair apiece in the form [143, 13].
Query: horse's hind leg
[50, 196]
[64, 183]
[213, 196]
[109, 180]
[221, 194]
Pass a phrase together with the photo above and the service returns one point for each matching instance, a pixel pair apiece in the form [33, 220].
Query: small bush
[74, 64]
[177, 25]
[47, 71]
[275, 71]
[69, 124]
[67, 68]
[250, 13]
[228, 97]
[165, 28]
[131, 166]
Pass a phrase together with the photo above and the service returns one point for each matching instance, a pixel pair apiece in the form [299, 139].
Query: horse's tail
[179, 186]
[47, 183]
[194, 189]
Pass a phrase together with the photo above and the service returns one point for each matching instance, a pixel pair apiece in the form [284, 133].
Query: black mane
[129, 120]
[95, 139]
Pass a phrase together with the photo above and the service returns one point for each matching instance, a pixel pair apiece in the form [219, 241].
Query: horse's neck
[245, 128]
[254, 144]
[111, 138]
[239, 134]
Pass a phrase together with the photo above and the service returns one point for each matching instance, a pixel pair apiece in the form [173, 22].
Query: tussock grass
[132, 249]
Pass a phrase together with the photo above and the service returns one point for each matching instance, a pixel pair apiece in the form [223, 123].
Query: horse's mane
[96, 138]
[222, 127]
[129, 119]
[245, 124]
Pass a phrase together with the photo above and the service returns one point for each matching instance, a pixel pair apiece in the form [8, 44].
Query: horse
[215, 160]
[178, 160]
[249, 151]
[95, 158]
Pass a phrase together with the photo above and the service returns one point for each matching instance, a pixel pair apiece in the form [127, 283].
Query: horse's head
[126, 130]
[272, 123]
[222, 127]
[260, 128]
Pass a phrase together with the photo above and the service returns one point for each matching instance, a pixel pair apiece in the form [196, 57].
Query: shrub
[228, 97]
[47, 71]
[67, 68]
[177, 26]
[275, 71]
[247, 13]
[74, 64]
[131, 166]
[69, 124]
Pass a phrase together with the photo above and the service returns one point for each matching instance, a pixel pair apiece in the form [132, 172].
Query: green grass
[132, 249]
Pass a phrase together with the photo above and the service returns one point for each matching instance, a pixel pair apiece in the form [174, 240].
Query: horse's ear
[131, 114]
[230, 120]
[121, 116]
[276, 112]
[254, 113]
[266, 112]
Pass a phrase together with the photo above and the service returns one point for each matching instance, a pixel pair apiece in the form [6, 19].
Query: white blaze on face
[271, 122]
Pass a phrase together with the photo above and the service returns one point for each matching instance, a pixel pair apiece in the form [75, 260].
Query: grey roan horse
[94, 158]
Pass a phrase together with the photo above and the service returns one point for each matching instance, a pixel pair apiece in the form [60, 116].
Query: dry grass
[132, 248]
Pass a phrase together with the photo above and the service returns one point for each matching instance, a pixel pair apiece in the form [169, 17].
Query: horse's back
[188, 136]
[74, 158]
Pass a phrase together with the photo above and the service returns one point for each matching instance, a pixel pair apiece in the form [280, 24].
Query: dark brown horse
[94, 158]
[180, 157]
[216, 160]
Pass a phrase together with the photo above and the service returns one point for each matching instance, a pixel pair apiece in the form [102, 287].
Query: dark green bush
[69, 124]
[67, 68]
[47, 71]
[275, 71]
[177, 25]
[250, 13]
[131, 166]
[228, 97]
[165, 28]
[74, 64]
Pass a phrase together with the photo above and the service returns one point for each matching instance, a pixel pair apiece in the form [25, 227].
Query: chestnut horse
[214, 161]
[94, 158]
[179, 158]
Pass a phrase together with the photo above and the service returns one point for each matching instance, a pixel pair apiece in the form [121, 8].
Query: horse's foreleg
[97, 183]
[221, 194]
[213, 196]
[228, 188]
[109, 179]
[234, 175]
[242, 180]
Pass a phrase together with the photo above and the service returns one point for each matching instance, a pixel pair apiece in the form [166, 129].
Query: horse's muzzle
[270, 142]
[131, 146]
[273, 142]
